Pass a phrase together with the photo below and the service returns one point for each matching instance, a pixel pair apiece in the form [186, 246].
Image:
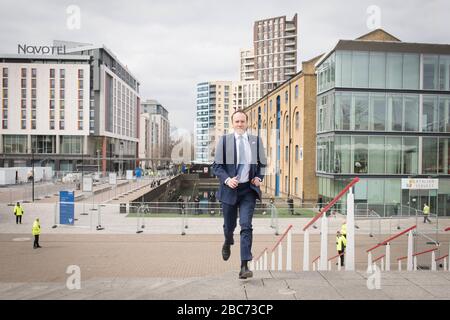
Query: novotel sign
[26, 49]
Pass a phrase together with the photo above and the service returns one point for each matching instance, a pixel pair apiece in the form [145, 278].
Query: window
[43, 144]
[296, 153]
[5, 72]
[444, 114]
[410, 155]
[297, 120]
[361, 112]
[411, 66]
[377, 112]
[393, 155]
[444, 73]
[62, 83]
[52, 73]
[33, 73]
[296, 186]
[342, 112]
[14, 143]
[360, 69]
[23, 83]
[286, 97]
[430, 72]
[429, 155]
[24, 72]
[286, 154]
[360, 155]
[411, 105]
[296, 91]
[377, 70]
[376, 154]
[62, 73]
[430, 122]
[394, 70]
[395, 112]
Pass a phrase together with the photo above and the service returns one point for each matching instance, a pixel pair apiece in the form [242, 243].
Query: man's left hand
[256, 182]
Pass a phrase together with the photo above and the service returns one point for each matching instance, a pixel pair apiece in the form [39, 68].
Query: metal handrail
[260, 255]
[392, 238]
[329, 205]
[417, 254]
[281, 238]
[379, 258]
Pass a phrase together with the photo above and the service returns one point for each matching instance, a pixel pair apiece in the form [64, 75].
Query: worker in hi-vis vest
[426, 213]
[341, 243]
[36, 232]
[18, 212]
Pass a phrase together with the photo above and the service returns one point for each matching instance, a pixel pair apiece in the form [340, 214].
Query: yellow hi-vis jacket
[426, 210]
[341, 243]
[344, 229]
[18, 210]
[36, 228]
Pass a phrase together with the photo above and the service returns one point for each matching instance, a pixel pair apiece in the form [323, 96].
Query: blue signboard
[138, 172]
[66, 207]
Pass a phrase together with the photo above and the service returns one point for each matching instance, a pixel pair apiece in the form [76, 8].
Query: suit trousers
[246, 201]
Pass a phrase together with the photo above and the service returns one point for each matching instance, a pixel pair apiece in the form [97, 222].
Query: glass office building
[383, 114]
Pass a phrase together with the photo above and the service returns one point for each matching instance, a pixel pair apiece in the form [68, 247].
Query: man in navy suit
[239, 163]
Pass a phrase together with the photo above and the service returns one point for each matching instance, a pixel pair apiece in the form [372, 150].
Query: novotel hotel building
[72, 111]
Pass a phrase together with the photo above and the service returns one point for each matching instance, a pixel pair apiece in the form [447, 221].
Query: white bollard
[314, 266]
[388, 257]
[339, 264]
[265, 260]
[272, 263]
[433, 261]
[369, 262]
[382, 264]
[323, 244]
[329, 265]
[280, 257]
[289, 251]
[409, 261]
[252, 265]
[415, 264]
[399, 265]
[445, 264]
[350, 249]
[306, 251]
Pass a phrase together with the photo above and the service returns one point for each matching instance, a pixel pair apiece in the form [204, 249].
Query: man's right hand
[233, 182]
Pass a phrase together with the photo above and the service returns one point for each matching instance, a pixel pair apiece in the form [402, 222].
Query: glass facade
[14, 143]
[384, 116]
[71, 144]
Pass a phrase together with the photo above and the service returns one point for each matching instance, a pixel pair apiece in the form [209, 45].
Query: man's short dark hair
[239, 111]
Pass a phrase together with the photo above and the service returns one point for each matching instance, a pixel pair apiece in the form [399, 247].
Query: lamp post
[98, 162]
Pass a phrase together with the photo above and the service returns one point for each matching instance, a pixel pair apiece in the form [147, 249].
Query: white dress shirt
[248, 155]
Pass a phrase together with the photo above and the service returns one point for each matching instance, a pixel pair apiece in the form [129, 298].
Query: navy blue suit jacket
[225, 165]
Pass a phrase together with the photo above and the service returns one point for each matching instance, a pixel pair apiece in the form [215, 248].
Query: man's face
[239, 123]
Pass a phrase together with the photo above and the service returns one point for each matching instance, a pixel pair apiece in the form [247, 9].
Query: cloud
[170, 46]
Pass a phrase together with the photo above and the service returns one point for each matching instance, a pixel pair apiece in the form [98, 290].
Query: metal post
[289, 251]
[272, 262]
[323, 244]
[399, 265]
[369, 262]
[388, 257]
[433, 261]
[306, 251]
[415, 263]
[409, 261]
[280, 257]
[350, 249]
[265, 260]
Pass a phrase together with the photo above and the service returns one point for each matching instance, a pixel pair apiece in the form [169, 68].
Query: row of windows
[383, 112]
[383, 155]
[379, 70]
[42, 144]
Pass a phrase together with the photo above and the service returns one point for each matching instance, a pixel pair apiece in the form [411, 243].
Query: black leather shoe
[245, 273]
[226, 252]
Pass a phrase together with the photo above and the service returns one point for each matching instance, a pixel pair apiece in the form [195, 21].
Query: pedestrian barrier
[314, 262]
[415, 255]
[279, 247]
[330, 260]
[324, 230]
[260, 262]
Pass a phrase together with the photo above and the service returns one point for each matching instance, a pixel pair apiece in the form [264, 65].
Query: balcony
[290, 27]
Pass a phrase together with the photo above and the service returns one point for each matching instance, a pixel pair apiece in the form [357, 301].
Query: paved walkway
[188, 267]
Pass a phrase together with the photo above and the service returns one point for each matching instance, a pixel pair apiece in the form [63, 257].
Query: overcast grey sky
[171, 45]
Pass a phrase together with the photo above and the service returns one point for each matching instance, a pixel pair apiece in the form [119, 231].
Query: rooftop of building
[42, 57]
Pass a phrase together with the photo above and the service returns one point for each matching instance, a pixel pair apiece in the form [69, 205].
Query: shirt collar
[236, 136]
